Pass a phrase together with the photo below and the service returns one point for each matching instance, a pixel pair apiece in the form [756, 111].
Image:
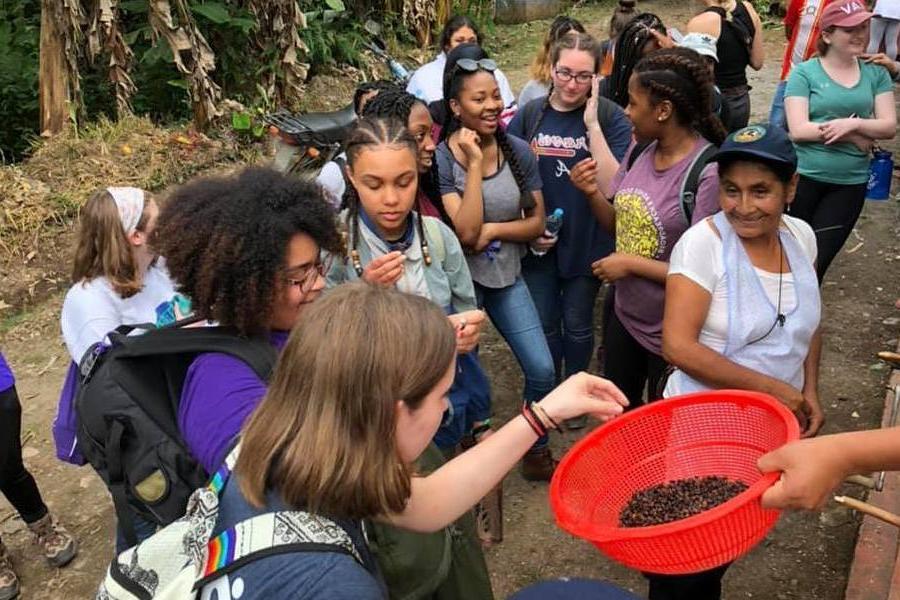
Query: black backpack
[689, 185]
[127, 413]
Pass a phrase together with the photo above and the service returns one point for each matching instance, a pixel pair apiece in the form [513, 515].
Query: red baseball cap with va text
[845, 13]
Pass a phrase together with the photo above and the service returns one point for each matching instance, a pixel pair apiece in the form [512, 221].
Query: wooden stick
[890, 357]
[869, 509]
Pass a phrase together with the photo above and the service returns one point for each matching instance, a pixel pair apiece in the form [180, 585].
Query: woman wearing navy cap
[742, 299]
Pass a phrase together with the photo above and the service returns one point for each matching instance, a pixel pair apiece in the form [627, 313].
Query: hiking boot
[538, 465]
[489, 517]
[9, 583]
[576, 423]
[58, 544]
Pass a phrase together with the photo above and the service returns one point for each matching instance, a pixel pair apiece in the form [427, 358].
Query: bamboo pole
[869, 509]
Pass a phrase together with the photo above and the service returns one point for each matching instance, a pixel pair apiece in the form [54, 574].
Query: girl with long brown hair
[353, 402]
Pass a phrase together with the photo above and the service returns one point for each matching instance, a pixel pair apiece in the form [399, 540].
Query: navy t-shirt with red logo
[560, 142]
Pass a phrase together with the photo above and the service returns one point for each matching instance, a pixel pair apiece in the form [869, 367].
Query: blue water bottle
[552, 225]
[881, 170]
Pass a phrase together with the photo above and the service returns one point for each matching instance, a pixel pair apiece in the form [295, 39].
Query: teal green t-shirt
[843, 162]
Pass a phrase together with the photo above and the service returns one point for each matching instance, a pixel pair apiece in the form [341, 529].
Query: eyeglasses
[305, 277]
[470, 65]
[566, 76]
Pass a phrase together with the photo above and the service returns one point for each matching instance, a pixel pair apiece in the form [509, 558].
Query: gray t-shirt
[533, 89]
[503, 202]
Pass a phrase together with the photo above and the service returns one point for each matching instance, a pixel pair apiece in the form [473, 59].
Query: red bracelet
[533, 421]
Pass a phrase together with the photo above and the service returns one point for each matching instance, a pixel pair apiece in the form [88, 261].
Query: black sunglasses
[470, 65]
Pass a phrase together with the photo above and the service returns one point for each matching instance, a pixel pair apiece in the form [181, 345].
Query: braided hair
[680, 76]
[391, 104]
[380, 85]
[370, 132]
[453, 85]
[398, 105]
[561, 25]
[629, 50]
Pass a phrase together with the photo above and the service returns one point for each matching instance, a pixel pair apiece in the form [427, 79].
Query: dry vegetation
[40, 198]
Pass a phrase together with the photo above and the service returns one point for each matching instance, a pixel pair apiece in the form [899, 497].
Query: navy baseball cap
[759, 141]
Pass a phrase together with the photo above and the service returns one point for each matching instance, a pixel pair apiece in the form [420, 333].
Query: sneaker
[58, 544]
[538, 465]
[9, 583]
[576, 423]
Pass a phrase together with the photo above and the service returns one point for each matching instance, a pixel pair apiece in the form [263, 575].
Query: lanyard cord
[779, 316]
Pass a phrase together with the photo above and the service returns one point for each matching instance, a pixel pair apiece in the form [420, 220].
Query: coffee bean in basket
[678, 499]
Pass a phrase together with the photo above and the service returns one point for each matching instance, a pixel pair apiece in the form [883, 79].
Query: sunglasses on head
[469, 65]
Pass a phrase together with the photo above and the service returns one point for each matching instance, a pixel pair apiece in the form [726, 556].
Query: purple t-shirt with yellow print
[649, 221]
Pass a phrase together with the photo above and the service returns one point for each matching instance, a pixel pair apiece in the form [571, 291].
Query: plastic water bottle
[491, 250]
[551, 228]
[398, 70]
[881, 170]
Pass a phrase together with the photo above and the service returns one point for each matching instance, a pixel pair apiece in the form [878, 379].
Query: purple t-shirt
[6, 375]
[220, 391]
[649, 221]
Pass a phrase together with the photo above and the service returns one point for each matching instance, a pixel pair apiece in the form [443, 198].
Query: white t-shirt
[427, 83]
[331, 178]
[889, 9]
[92, 309]
[698, 256]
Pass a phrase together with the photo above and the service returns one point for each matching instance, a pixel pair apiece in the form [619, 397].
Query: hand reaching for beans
[385, 270]
[468, 329]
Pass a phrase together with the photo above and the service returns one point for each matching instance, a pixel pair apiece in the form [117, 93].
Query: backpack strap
[635, 153]
[687, 196]
[116, 484]
[256, 352]
[532, 113]
[435, 237]
[606, 110]
[269, 534]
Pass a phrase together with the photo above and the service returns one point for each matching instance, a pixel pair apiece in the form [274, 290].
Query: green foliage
[333, 35]
[19, 45]
[480, 11]
[250, 124]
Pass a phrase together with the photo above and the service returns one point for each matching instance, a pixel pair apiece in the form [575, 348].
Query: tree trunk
[53, 76]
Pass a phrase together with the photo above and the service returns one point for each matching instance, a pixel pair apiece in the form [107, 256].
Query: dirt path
[807, 557]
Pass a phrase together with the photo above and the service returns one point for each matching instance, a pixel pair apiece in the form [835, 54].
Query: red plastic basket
[710, 433]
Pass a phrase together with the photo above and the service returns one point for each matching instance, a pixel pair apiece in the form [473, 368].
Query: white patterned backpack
[179, 559]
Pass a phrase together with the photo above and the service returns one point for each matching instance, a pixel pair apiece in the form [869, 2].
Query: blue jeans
[566, 308]
[777, 116]
[470, 401]
[512, 312]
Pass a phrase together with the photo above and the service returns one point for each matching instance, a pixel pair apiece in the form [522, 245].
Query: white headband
[130, 203]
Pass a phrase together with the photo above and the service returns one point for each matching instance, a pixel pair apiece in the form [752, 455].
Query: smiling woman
[570, 129]
[837, 105]
[742, 302]
[491, 190]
